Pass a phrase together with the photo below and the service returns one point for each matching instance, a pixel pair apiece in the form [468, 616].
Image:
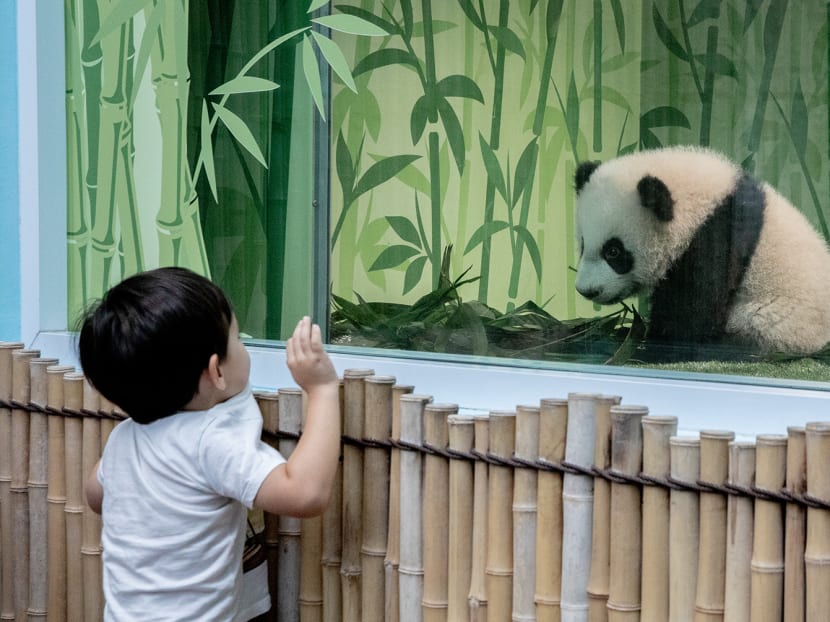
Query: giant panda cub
[722, 256]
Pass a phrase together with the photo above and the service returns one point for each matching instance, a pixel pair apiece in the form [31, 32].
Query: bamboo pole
[311, 556]
[21, 392]
[599, 575]
[269, 404]
[92, 439]
[377, 426]
[714, 469]
[626, 514]
[460, 550]
[289, 528]
[768, 547]
[436, 515]
[684, 531]
[332, 542]
[7, 566]
[817, 551]
[350, 568]
[500, 518]
[577, 508]
[478, 582]
[78, 394]
[796, 527]
[657, 464]
[411, 568]
[38, 489]
[553, 423]
[393, 543]
[524, 515]
[56, 495]
[739, 534]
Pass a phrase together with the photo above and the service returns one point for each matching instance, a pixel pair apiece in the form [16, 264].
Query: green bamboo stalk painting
[554, 83]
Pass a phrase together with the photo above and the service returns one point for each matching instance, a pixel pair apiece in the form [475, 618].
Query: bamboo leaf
[311, 70]
[524, 170]
[148, 39]
[418, 118]
[240, 132]
[393, 256]
[384, 57]
[532, 248]
[120, 14]
[706, 9]
[485, 231]
[421, 228]
[459, 86]
[752, 8]
[664, 116]
[649, 139]
[619, 21]
[245, 84]
[207, 151]
[472, 15]
[799, 119]
[455, 135]
[385, 25]
[619, 61]
[492, 166]
[352, 25]
[316, 4]
[414, 272]
[381, 171]
[438, 26]
[345, 168]
[572, 111]
[406, 9]
[773, 24]
[334, 57]
[722, 66]
[508, 40]
[613, 96]
[666, 35]
[533, 4]
[405, 229]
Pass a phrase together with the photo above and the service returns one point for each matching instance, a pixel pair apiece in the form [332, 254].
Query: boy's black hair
[145, 344]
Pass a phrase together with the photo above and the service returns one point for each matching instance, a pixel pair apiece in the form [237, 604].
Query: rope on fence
[754, 492]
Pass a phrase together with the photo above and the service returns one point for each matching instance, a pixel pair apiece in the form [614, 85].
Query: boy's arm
[94, 491]
[302, 486]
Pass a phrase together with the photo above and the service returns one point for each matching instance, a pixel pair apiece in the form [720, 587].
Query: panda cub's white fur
[644, 237]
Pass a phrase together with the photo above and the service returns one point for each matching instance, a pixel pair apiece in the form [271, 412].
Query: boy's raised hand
[308, 362]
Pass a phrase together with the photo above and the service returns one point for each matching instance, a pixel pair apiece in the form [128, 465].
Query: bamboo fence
[574, 508]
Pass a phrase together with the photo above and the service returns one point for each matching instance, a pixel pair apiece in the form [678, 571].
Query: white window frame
[708, 402]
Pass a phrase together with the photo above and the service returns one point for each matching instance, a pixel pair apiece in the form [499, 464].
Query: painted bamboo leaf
[316, 4]
[311, 71]
[665, 116]
[119, 15]
[405, 229]
[345, 169]
[485, 231]
[772, 26]
[437, 26]
[393, 256]
[381, 171]
[351, 25]
[245, 84]
[666, 35]
[240, 132]
[752, 8]
[152, 27]
[508, 40]
[418, 118]
[532, 248]
[414, 272]
[455, 135]
[383, 58]
[706, 9]
[524, 170]
[421, 228]
[470, 12]
[207, 151]
[619, 21]
[382, 24]
[619, 61]
[492, 166]
[459, 86]
[334, 57]
[799, 119]
[572, 111]
[406, 10]
[720, 64]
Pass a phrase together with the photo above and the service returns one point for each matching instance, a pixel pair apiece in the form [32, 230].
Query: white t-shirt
[174, 513]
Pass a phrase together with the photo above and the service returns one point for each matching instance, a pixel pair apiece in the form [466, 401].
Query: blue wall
[9, 214]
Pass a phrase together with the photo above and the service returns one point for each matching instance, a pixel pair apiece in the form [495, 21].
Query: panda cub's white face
[615, 261]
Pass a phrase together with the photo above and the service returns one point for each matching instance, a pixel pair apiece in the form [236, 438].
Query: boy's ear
[213, 371]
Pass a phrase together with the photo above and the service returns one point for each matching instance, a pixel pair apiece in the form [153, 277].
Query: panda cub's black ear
[583, 173]
[655, 195]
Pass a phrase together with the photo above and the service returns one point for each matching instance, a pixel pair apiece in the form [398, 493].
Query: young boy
[176, 479]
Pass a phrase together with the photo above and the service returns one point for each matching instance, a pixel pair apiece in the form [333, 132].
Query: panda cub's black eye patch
[615, 255]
